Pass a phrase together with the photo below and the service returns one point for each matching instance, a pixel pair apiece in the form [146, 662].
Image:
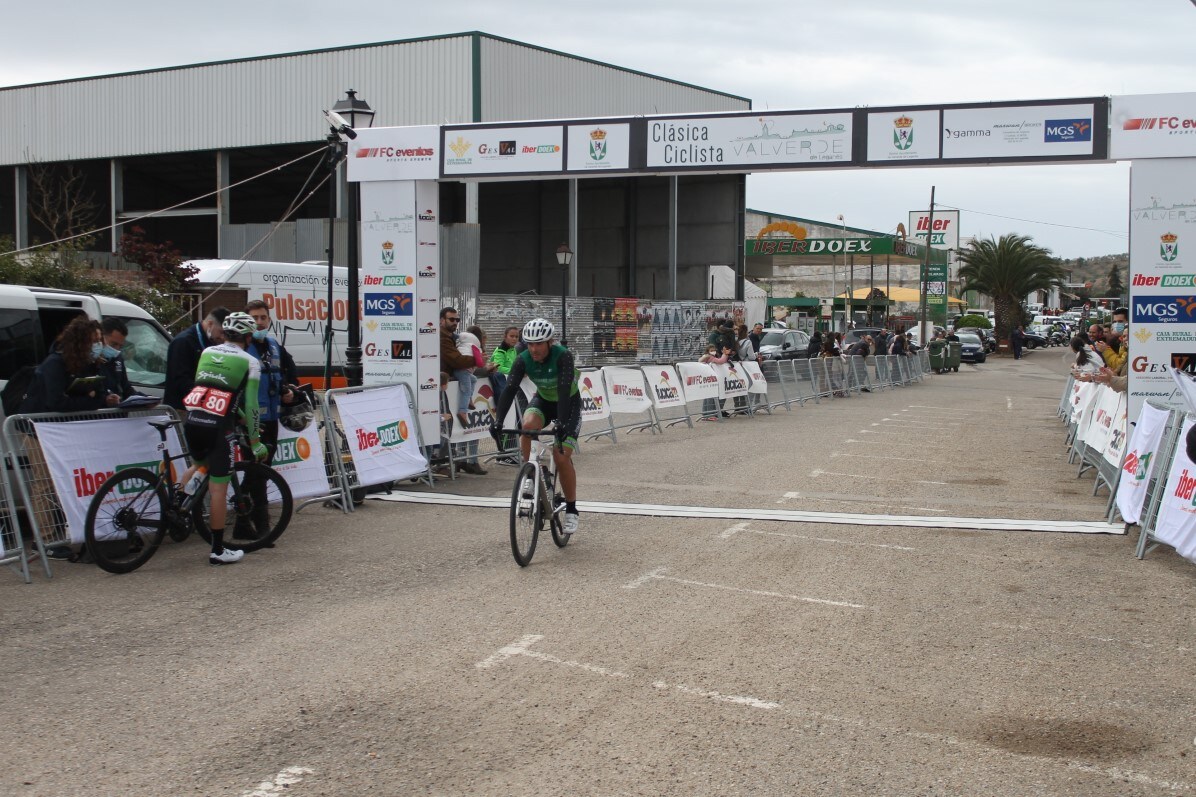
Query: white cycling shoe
[226, 557]
[570, 523]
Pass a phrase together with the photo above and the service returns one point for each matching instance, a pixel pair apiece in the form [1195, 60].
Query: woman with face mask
[69, 379]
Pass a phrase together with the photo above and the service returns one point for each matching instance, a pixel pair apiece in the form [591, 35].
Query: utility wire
[1036, 221]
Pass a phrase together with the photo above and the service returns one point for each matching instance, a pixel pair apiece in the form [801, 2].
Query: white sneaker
[569, 526]
[227, 557]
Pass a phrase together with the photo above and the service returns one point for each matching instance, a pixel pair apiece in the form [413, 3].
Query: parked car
[784, 344]
[971, 348]
[987, 337]
[1035, 340]
[852, 336]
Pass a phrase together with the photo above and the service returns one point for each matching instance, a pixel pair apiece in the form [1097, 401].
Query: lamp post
[846, 280]
[358, 114]
[563, 256]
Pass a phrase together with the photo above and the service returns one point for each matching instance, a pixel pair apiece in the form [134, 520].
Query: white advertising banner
[1115, 448]
[665, 386]
[1176, 523]
[903, 135]
[394, 153]
[1103, 409]
[500, 150]
[473, 423]
[594, 406]
[626, 389]
[1162, 278]
[82, 455]
[945, 232]
[300, 460]
[700, 381]
[1153, 126]
[758, 382]
[768, 138]
[1082, 394]
[733, 380]
[1018, 131]
[381, 434]
[597, 148]
[1139, 462]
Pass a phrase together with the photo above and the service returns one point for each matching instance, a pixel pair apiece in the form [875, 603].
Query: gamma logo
[1164, 309]
[1060, 130]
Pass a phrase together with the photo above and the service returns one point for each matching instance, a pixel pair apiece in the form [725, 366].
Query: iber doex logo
[392, 434]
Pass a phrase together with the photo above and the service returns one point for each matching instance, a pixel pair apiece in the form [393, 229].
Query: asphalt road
[400, 651]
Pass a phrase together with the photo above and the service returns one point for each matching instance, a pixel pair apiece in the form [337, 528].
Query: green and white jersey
[226, 383]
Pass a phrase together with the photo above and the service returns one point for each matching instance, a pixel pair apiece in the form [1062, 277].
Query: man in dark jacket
[182, 356]
[112, 361]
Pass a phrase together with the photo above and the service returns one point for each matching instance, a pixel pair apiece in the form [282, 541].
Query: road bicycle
[535, 498]
[136, 507]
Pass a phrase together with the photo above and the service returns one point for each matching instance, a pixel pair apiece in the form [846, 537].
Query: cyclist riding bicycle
[550, 368]
[225, 394]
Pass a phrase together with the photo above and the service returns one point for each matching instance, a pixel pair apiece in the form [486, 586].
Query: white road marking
[520, 648]
[283, 780]
[659, 575]
[1137, 643]
[1009, 403]
[828, 539]
[788, 497]
[730, 532]
[922, 423]
[816, 473]
[941, 409]
[778, 515]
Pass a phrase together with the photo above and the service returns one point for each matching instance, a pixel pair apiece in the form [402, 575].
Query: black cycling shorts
[547, 410]
[214, 446]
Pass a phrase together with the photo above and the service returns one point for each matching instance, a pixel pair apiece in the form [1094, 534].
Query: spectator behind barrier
[182, 356]
[69, 379]
[710, 408]
[112, 360]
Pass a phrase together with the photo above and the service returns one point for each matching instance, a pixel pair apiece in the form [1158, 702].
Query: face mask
[96, 350]
[110, 353]
[1119, 327]
[260, 334]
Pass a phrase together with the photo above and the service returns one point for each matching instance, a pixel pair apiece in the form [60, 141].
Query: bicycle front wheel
[525, 515]
[259, 505]
[126, 520]
[556, 519]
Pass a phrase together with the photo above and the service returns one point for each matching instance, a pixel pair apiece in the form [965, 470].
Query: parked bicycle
[135, 508]
[535, 498]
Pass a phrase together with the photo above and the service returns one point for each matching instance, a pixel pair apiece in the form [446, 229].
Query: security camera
[338, 123]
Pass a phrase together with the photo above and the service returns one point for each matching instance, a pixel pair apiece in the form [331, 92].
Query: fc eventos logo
[1164, 309]
[1060, 130]
[388, 304]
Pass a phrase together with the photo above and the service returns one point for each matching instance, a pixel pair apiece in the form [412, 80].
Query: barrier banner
[1101, 426]
[300, 460]
[733, 380]
[758, 383]
[700, 381]
[81, 455]
[381, 434]
[477, 420]
[1116, 446]
[626, 390]
[1081, 397]
[1176, 524]
[665, 386]
[1139, 462]
[594, 406]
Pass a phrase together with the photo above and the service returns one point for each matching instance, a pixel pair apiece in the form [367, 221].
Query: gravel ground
[399, 650]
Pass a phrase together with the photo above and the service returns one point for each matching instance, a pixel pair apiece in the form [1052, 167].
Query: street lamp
[563, 255]
[846, 280]
[356, 114]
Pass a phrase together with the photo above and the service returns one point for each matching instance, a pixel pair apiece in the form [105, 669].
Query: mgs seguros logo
[1062, 130]
[1164, 309]
[388, 304]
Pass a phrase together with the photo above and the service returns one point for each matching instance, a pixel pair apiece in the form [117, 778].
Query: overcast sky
[798, 55]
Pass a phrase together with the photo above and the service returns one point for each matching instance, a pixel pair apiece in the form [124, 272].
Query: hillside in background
[1096, 270]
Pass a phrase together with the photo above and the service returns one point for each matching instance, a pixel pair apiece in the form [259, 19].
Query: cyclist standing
[226, 391]
[551, 369]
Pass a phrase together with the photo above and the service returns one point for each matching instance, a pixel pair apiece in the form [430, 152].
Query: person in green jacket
[504, 355]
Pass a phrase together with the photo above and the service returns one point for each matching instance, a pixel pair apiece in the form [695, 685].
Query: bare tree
[60, 202]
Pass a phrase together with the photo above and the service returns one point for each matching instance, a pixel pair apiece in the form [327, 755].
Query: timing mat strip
[778, 515]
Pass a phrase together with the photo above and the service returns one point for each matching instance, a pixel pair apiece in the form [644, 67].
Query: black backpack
[14, 392]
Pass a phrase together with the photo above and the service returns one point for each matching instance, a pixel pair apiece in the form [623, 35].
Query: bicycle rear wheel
[126, 520]
[525, 515]
[259, 504]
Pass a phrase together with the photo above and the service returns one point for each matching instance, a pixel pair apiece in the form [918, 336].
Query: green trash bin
[954, 348]
[937, 352]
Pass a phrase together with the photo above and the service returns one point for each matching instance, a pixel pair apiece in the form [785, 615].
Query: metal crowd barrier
[26, 467]
[780, 373]
[1065, 401]
[861, 382]
[924, 361]
[820, 378]
[12, 547]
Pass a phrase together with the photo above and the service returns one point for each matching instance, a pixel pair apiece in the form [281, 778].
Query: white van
[32, 317]
[297, 295]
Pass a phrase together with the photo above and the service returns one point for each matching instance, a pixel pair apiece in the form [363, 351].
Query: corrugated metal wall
[287, 242]
[521, 82]
[460, 255]
[264, 101]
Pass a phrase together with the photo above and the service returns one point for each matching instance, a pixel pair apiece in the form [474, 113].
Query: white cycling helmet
[240, 324]
[537, 330]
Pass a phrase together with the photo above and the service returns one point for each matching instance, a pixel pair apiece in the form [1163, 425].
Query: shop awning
[897, 295]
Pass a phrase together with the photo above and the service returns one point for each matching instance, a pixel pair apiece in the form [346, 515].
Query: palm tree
[1008, 270]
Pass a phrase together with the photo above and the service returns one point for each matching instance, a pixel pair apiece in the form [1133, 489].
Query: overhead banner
[503, 150]
[1139, 462]
[1153, 126]
[599, 147]
[903, 136]
[749, 140]
[1019, 131]
[1176, 523]
[1162, 278]
[381, 434]
[300, 460]
[82, 455]
[395, 153]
